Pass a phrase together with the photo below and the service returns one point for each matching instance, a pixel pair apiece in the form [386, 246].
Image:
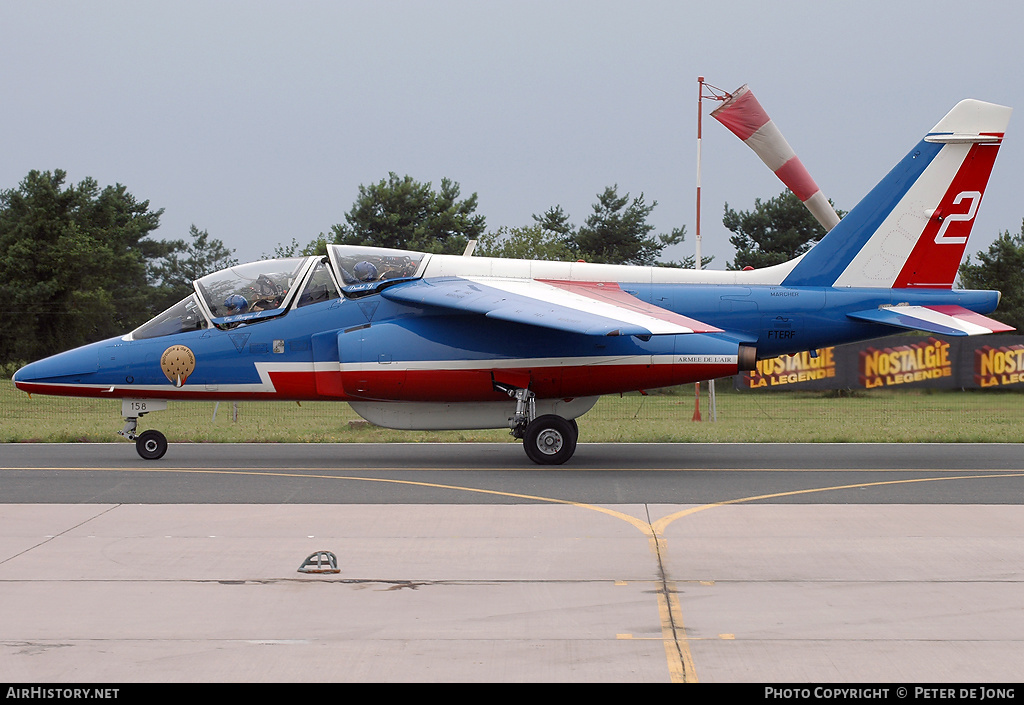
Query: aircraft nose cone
[60, 367]
[28, 373]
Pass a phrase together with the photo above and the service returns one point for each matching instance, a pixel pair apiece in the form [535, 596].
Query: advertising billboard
[896, 362]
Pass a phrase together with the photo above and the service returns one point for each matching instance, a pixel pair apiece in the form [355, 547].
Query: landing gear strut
[548, 439]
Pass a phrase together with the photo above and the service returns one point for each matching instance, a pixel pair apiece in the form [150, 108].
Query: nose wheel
[151, 445]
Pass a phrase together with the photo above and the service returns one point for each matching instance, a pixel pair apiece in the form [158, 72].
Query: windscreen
[182, 317]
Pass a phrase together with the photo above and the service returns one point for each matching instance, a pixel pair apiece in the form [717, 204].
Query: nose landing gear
[151, 444]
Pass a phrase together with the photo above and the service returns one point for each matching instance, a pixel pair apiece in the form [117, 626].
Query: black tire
[151, 445]
[550, 440]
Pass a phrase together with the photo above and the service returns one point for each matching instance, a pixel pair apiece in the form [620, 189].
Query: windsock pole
[697, 264]
[698, 260]
[697, 253]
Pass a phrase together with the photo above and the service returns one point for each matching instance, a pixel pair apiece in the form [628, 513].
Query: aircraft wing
[589, 308]
[945, 320]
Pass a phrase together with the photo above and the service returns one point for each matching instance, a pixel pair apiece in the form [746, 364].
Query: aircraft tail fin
[911, 230]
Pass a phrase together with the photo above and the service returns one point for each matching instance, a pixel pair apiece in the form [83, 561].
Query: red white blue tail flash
[911, 230]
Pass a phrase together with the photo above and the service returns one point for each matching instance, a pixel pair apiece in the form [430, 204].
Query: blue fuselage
[374, 348]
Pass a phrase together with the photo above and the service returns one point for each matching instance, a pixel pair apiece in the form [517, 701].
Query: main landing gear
[548, 439]
[151, 444]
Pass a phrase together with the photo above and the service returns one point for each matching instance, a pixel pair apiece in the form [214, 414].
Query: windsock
[746, 119]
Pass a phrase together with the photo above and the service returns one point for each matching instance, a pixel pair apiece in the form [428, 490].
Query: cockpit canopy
[253, 287]
[359, 265]
[252, 292]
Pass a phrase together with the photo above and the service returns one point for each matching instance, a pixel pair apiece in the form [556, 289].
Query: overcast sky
[257, 121]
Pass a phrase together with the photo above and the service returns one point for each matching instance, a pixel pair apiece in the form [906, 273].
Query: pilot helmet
[365, 271]
[236, 304]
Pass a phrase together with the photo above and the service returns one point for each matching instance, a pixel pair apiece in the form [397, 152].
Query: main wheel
[151, 445]
[550, 440]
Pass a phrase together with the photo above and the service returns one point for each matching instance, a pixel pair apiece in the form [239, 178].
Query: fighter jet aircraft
[427, 341]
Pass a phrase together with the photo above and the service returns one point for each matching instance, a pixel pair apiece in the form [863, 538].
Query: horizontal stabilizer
[588, 308]
[943, 320]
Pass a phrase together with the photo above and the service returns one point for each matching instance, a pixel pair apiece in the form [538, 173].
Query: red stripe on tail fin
[934, 261]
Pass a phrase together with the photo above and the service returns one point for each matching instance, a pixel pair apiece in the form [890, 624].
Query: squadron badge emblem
[178, 362]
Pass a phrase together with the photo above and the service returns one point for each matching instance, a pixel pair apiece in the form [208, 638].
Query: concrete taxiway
[902, 565]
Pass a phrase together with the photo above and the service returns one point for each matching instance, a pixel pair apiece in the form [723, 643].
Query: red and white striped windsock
[746, 119]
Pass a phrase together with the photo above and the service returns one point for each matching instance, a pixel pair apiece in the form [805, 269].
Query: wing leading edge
[588, 308]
